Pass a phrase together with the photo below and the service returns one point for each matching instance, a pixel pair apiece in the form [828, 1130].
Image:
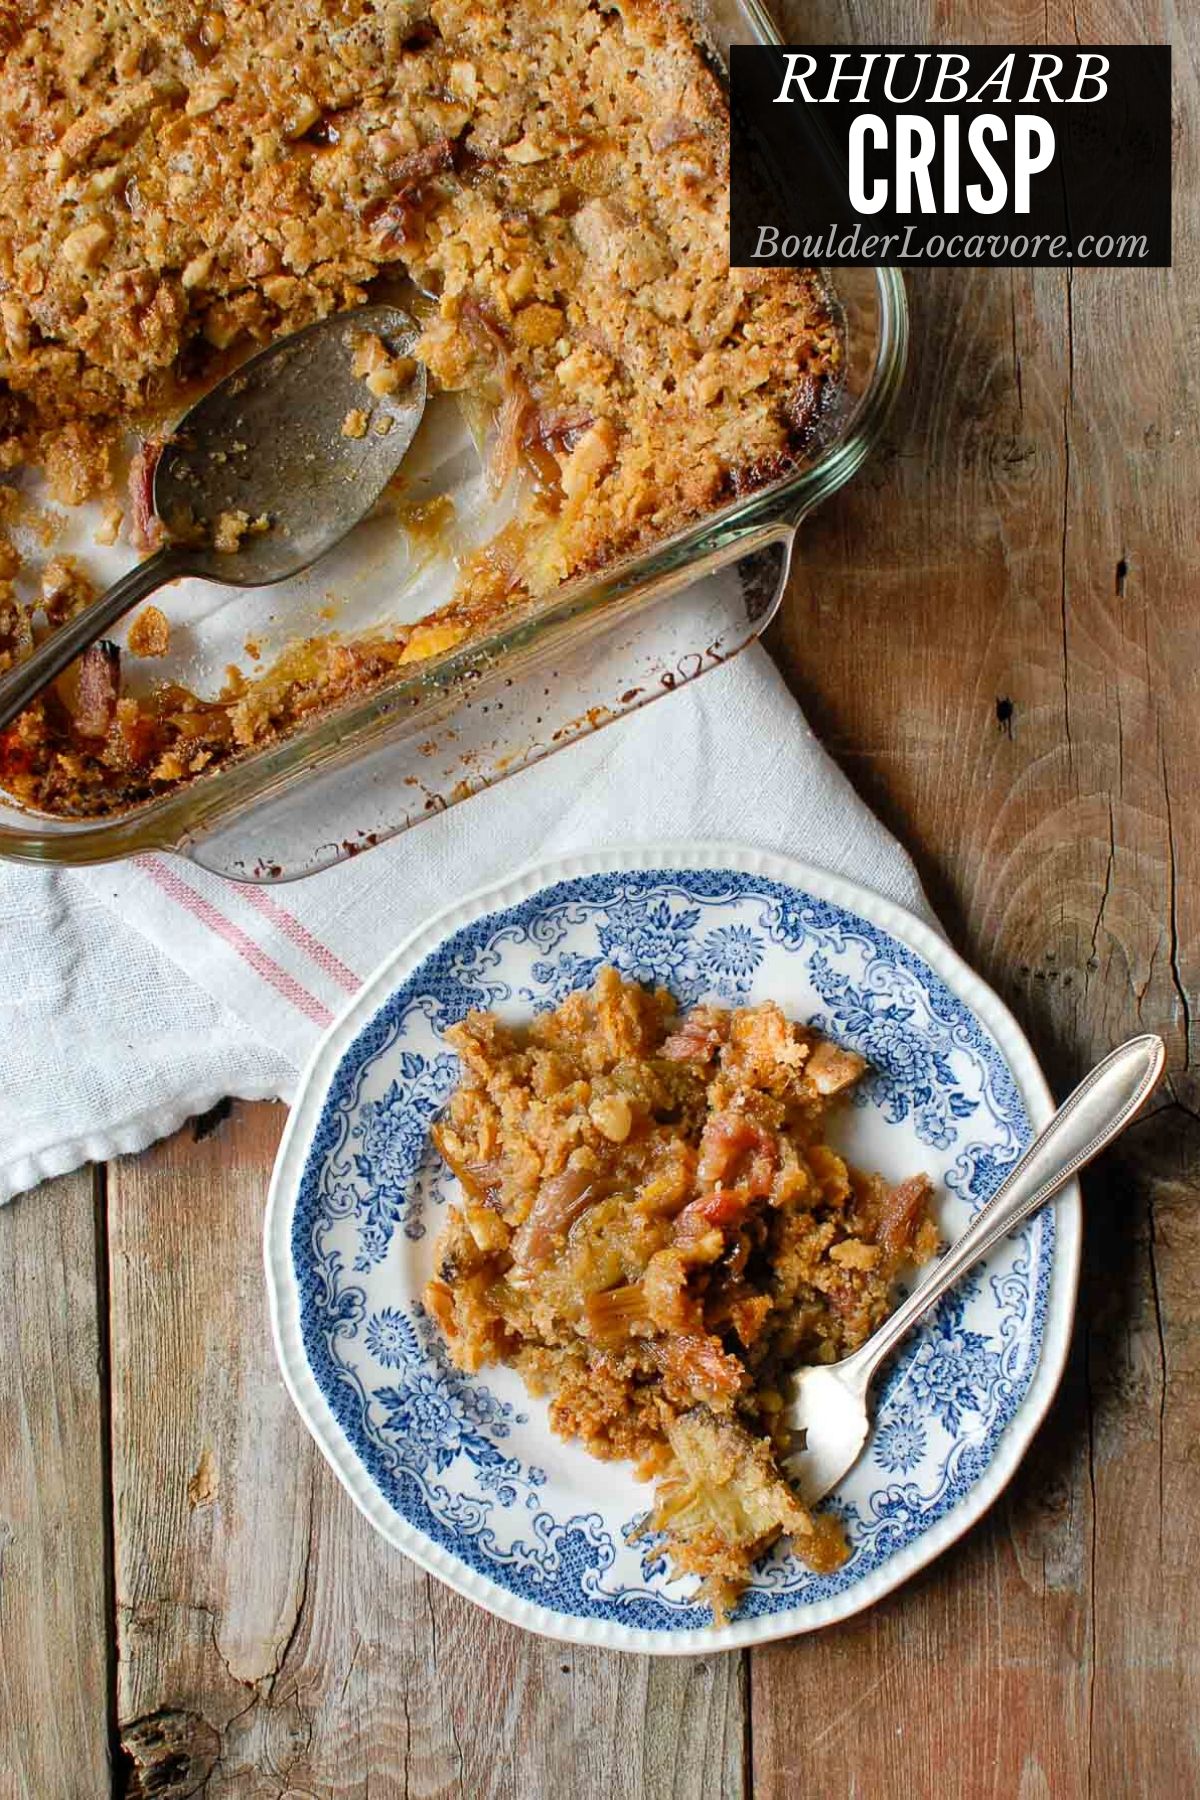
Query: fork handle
[23, 684]
[1100, 1107]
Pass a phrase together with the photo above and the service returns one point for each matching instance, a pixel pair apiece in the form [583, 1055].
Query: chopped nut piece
[520, 284]
[301, 117]
[109, 528]
[463, 80]
[538, 324]
[370, 354]
[84, 247]
[197, 270]
[83, 53]
[383, 372]
[397, 375]
[524, 152]
[14, 314]
[832, 1069]
[228, 320]
[206, 96]
[101, 183]
[150, 633]
[612, 1115]
[231, 527]
[169, 767]
[855, 1255]
[590, 458]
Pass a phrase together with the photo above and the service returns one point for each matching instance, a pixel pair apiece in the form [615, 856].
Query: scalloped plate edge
[311, 1091]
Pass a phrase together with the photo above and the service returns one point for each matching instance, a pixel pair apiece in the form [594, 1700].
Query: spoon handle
[1100, 1107]
[24, 683]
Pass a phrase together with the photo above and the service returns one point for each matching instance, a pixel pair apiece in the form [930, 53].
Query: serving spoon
[278, 441]
[829, 1403]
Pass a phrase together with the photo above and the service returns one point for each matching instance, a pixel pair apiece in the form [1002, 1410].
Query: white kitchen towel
[138, 994]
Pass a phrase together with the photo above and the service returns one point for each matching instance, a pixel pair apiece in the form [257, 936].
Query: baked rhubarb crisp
[654, 1232]
[180, 184]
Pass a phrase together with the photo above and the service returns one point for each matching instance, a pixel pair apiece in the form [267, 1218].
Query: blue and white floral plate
[462, 1472]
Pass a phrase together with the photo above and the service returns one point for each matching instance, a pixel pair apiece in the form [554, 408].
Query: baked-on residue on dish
[654, 1232]
[179, 184]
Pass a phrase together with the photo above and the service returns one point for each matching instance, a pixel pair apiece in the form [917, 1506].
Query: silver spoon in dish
[262, 476]
[828, 1403]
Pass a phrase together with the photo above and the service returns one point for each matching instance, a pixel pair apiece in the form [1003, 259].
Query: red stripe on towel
[302, 937]
[263, 965]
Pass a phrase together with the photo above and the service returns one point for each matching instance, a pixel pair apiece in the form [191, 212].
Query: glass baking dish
[602, 648]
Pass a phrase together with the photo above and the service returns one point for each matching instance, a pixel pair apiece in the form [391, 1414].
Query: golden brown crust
[177, 186]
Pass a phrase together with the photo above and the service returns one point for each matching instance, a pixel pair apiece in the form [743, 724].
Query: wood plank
[1143, 1349]
[269, 1639]
[53, 1623]
[565, 1720]
[1017, 698]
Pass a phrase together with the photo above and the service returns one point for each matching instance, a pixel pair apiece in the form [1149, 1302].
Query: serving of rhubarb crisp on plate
[654, 1233]
[587, 1169]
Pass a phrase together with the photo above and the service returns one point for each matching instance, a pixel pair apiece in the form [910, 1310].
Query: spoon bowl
[296, 442]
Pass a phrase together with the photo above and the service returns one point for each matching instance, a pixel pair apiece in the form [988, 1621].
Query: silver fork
[829, 1402]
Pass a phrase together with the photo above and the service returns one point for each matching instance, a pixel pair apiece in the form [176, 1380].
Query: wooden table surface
[997, 632]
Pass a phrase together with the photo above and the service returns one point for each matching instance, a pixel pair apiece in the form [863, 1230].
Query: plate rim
[311, 1092]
